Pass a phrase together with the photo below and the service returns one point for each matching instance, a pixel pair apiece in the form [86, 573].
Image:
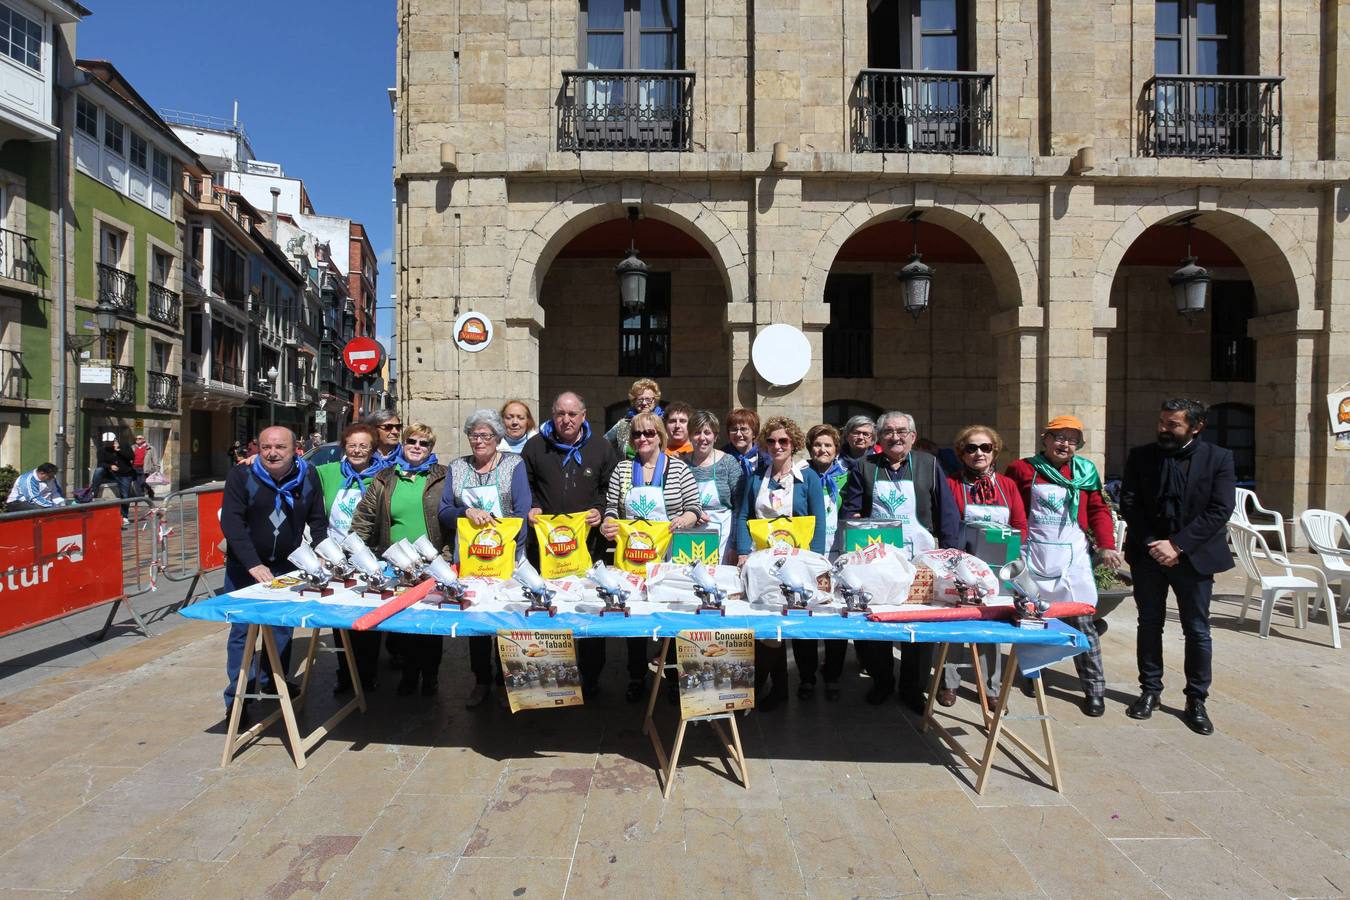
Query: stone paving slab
[112, 788]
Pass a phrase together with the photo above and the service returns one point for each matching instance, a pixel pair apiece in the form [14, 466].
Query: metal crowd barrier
[189, 543]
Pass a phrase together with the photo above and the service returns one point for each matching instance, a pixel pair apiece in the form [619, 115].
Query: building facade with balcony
[38, 47]
[126, 257]
[1052, 162]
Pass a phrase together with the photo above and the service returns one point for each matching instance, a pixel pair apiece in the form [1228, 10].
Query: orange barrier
[60, 561]
[189, 542]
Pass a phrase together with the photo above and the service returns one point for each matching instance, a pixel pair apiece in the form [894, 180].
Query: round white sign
[473, 331]
[781, 355]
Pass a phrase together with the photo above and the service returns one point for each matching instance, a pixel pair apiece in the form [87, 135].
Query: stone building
[775, 152]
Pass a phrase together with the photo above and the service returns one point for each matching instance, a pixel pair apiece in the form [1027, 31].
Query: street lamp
[1189, 283]
[915, 278]
[106, 316]
[632, 271]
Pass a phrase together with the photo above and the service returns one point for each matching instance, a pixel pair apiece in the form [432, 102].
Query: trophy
[611, 589]
[406, 561]
[1028, 605]
[797, 587]
[536, 589]
[335, 561]
[453, 592]
[849, 587]
[368, 569]
[426, 550]
[711, 598]
[968, 583]
[312, 571]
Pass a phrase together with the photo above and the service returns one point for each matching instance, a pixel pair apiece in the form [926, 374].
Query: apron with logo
[893, 498]
[977, 514]
[647, 501]
[718, 515]
[484, 496]
[1057, 551]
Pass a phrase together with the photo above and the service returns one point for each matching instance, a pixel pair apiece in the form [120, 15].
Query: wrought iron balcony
[123, 386]
[161, 391]
[919, 111]
[626, 109]
[227, 374]
[117, 287]
[18, 257]
[163, 305]
[1203, 116]
[13, 375]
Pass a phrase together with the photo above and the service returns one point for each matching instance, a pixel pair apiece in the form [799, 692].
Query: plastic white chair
[1243, 517]
[1251, 546]
[1328, 535]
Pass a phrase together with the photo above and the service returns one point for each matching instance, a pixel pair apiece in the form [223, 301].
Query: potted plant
[1113, 586]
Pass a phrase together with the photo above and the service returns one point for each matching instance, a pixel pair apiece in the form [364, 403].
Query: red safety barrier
[59, 562]
[210, 539]
[978, 613]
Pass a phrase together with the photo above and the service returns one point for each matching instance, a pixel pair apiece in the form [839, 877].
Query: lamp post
[916, 278]
[632, 271]
[106, 318]
[1190, 283]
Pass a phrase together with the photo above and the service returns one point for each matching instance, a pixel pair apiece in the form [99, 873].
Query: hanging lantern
[1190, 283]
[916, 278]
[632, 271]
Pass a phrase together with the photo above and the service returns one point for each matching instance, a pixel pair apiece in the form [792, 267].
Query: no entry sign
[363, 355]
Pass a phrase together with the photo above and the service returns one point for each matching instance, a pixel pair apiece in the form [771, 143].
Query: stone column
[1018, 336]
[1331, 458]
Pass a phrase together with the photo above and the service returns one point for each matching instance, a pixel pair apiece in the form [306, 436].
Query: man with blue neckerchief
[265, 509]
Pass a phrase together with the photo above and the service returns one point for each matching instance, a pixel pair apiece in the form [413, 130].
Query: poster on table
[717, 670]
[695, 545]
[540, 669]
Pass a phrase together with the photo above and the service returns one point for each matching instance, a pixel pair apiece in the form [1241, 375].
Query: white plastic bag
[670, 582]
[958, 578]
[884, 571]
[761, 583]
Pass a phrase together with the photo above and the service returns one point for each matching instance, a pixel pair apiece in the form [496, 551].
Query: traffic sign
[363, 355]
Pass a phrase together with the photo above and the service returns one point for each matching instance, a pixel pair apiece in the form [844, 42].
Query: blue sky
[311, 78]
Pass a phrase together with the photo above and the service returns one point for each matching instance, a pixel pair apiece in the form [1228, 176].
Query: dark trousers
[771, 662]
[422, 656]
[807, 655]
[916, 662]
[1193, 591]
[260, 671]
[482, 659]
[366, 650]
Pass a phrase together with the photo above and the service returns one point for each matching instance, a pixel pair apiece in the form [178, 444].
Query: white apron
[485, 497]
[894, 499]
[718, 515]
[1057, 551]
[976, 514]
[647, 501]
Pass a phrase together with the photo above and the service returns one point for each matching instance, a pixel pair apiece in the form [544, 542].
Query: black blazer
[1206, 508]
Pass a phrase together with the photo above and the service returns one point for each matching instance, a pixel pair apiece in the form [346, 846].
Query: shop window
[644, 337]
[1232, 352]
[848, 337]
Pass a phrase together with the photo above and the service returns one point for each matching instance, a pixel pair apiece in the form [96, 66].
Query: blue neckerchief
[571, 452]
[656, 411]
[827, 478]
[287, 491]
[658, 474]
[749, 461]
[407, 468]
[389, 460]
[353, 478]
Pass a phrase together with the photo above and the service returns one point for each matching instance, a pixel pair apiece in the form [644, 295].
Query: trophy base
[349, 582]
[324, 591]
[614, 612]
[1030, 624]
[461, 604]
[710, 609]
[377, 595]
[551, 610]
[846, 612]
[797, 611]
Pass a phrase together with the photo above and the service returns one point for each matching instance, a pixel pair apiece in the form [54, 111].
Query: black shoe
[832, 691]
[1196, 718]
[1094, 707]
[344, 683]
[806, 690]
[293, 689]
[1143, 707]
[1028, 689]
[407, 685]
[915, 702]
[879, 694]
[1100, 625]
[636, 688]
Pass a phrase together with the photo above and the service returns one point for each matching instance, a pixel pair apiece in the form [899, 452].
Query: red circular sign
[363, 355]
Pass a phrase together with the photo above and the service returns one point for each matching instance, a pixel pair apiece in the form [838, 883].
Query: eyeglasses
[419, 442]
[778, 442]
[896, 432]
[645, 401]
[742, 429]
[479, 438]
[392, 426]
[1066, 439]
[983, 448]
[647, 433]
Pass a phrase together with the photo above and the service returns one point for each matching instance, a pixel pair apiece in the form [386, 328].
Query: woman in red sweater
[982, 495]
[1062, 493]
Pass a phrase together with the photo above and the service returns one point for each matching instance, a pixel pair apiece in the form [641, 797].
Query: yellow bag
[562, 545]
[789, 531]
[640, 542]
[489, 551]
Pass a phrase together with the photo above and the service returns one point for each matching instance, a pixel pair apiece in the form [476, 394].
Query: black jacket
[118, 462]
[1206, 508]
[245, 520]
[559, 489]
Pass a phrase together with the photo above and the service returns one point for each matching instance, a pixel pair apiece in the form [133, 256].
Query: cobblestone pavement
[111, 786]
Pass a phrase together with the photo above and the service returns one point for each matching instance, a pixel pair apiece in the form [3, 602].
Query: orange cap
[1059, 422]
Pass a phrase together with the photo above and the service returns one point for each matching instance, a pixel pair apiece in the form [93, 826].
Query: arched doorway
[592, 346]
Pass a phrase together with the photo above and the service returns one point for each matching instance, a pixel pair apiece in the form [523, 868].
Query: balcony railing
[1201, 116]
[163, 305]
[13, 375]
[626, 109]
[117, 287]
[227, 374]
[161, 391]
[123, 386]
[914, 111]
[18, 257]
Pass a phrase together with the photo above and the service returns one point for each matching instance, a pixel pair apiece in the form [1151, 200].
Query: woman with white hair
[487, 484]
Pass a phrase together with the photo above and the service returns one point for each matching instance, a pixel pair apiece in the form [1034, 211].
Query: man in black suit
[1177, 496]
